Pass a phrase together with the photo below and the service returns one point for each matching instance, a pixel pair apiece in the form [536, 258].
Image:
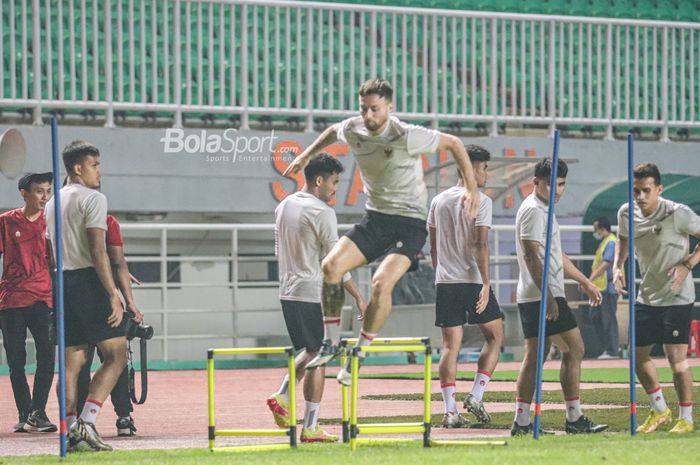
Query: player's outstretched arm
[680, 271]
[455, 146]
[433, 246]
[354, 291]
[481, 253]
[621, 252]
[327, 137]
[593, 293]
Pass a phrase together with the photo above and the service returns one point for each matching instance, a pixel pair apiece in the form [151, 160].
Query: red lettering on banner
[526, 188]
[355, 187]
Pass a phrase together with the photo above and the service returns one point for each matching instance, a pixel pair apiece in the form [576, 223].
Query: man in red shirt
[25, 300]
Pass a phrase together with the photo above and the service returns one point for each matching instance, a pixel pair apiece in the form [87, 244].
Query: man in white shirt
[666, 293]
[459, 248]
[388, 152]
[306, 229]
[561, 328]
[93, 309]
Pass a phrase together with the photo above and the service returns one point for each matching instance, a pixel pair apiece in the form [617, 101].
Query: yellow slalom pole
[292, 398]
[210, 398]
[355, 369]
[427, 380]
[344, 398]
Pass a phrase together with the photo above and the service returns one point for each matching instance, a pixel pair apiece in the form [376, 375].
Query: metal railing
[305, 60]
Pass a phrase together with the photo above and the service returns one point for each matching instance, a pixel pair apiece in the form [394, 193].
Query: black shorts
[87, 309]
[378, 234]
[662, 325]
[455, 305]
[304, 324]
[530, 314]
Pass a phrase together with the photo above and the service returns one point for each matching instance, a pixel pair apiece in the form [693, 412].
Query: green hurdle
[214, 433]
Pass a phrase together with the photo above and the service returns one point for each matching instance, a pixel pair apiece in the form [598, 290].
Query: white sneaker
[454, 420]
[605, 356]
[345, 375]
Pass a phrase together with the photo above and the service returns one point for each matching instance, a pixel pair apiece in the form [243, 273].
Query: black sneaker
[125, 426]
[583, 425]
[39, 422]
[517, 430]
[21, 426]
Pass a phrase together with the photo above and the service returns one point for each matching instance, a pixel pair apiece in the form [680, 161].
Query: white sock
[449, 392]
[686, 411]
[284, 387]
[656, 399]
[332, 328]
[481, 380]
[365, 340]
[573, 408]
[70, 419]
[311, 410]
[522, 412]
[90, 411]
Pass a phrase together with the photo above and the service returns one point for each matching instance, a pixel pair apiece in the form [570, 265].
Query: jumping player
[387, 151]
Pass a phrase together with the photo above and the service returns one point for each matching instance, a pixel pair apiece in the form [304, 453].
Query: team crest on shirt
[388, 151]
[17, 234]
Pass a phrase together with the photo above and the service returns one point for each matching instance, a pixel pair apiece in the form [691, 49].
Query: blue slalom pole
[59, 289]
[545, 283]
[632, 286]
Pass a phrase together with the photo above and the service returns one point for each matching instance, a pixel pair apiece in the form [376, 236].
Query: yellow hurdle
[352, 429]
[214, 433]
[388, 345]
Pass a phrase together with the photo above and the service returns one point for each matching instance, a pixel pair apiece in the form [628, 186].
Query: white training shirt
[456, 235]
[661, 241]
[81, 208]
[531, 224]
[306, 229]
[390, 164]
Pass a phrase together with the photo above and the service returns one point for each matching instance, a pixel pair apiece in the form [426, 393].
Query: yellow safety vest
[601, 282]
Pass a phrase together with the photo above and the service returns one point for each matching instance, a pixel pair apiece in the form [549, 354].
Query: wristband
[687, 265]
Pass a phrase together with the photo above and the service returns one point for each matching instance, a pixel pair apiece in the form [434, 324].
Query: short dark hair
[76, 152]
[478, 153]
[603, 222]
[543, 169]
[647, 170]
[322, 165]
[380, 87]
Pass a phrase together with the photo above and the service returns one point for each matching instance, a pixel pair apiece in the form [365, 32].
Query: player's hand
[619, 281]
[138, 315]
[552, 308]
[470, 202]
[483, 299]
[594, 296]
[362, 307]
[297, 165]
[678, 274]
[115, 318]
